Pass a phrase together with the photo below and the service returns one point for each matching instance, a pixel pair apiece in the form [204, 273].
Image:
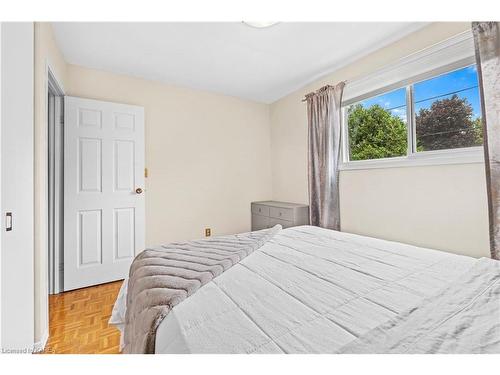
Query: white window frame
[452, 54]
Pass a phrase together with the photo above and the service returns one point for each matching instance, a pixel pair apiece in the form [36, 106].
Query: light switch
[8, 221]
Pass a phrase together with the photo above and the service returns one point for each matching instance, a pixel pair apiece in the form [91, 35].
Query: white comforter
[462, 318]
[309, 290]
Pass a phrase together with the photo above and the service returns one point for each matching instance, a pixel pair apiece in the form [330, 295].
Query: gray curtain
[324, 118]
[487, 43]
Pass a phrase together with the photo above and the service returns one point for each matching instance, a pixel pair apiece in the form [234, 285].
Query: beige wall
[442, 207]
[208, 155]
[46, 54]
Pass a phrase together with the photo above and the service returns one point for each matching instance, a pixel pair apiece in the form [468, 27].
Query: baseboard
[39, 346]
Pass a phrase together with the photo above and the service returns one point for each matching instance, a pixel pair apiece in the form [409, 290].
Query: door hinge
[145, 172]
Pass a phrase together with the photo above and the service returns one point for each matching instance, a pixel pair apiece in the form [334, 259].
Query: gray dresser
[267, 214]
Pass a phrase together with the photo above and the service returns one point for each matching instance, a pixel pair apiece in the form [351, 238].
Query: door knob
[138, 191]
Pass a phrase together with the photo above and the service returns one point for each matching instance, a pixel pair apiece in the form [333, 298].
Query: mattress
[308, 290]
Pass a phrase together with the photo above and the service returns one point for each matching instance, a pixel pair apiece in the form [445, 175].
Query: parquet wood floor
[78, 321]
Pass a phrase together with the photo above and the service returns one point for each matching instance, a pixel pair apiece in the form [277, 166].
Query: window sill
[464, 156]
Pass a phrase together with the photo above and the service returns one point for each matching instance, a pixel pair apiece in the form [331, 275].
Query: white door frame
[54, 115]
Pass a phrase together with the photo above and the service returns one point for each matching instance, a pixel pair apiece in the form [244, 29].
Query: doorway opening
[55, 121]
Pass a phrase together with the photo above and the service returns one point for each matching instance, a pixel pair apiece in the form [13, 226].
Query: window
[447, 111]
[435, 115]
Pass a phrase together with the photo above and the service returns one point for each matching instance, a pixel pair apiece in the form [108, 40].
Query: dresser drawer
[266, 214]
[260, 209]
[283, 223]
[259, 222]
[281, 213]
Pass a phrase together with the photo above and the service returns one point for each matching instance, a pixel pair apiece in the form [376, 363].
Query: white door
[103, 190]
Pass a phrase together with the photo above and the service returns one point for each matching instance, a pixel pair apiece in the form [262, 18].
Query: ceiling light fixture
[260, 25]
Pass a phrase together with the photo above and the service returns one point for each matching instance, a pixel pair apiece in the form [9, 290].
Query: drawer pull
[281, 213]
[261, 210]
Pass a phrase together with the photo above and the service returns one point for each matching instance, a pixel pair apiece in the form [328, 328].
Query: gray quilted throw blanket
[162, 277]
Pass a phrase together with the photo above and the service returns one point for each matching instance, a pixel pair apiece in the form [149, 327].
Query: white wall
[442, 207]
[16, 135]
[208, 155]
[1, 53]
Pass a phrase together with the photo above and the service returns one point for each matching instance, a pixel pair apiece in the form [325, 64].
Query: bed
[312, 290]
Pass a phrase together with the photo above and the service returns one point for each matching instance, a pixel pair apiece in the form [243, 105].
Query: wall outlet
[208, 232]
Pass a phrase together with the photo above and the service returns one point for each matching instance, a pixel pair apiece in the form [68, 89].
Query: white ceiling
[227, 58]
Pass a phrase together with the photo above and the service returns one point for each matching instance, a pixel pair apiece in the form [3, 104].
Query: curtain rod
[322, 88]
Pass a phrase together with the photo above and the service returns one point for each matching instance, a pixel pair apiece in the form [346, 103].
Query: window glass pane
[377, 126]
[448, 111]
